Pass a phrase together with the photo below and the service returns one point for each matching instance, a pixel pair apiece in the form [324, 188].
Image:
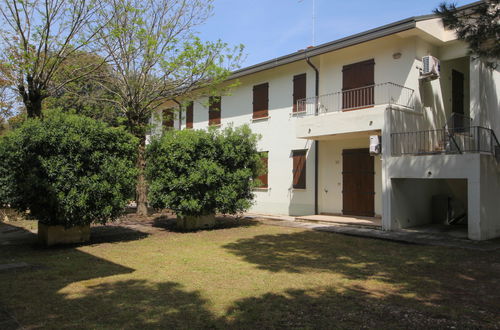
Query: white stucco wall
[278, 136]
[489, 226]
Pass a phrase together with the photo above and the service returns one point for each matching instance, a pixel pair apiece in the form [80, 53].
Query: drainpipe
[316, 142]
[180, 112]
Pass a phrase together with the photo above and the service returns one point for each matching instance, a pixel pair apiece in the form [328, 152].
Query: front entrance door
[358, 182]
[457, 99]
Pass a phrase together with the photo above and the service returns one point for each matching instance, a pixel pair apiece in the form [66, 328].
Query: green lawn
[252, 276]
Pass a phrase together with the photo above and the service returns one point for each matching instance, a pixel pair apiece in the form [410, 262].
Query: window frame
[214, 113]
[258, 113]
[301, 181]
[169, 123]
[264, 178]
[190, 114]
[296, 98]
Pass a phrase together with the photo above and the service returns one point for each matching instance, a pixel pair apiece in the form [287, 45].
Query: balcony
[350, 111]
[359, 98]
[473, 139]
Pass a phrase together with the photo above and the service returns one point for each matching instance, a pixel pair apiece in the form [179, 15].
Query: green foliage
[203, 172]
[478, 26]
[67, 169]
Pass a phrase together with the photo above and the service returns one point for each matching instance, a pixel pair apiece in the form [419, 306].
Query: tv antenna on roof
[313, 22]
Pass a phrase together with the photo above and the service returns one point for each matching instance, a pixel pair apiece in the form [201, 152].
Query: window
[260, 101]
[264, 156]
[299, 92]
[214, 110]
[358, 81]
[299, 169]
[168, 118]
[189, 115]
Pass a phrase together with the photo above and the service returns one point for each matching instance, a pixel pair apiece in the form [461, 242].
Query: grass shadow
[327, 308]
[168, 223]
[115, 234]
[427, 272]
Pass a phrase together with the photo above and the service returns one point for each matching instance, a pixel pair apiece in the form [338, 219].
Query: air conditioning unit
[431, 67]
[375, 145]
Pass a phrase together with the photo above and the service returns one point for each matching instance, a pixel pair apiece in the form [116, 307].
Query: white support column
[474, 208]
[475, 91]
[386, 180]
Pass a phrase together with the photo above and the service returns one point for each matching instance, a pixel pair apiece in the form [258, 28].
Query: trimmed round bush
[197, 173]
[67, 170]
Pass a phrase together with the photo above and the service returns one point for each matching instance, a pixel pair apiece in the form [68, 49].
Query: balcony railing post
[478, 139]
[389, 94]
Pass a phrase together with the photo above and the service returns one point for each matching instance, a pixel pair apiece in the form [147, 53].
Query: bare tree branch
[38, 37]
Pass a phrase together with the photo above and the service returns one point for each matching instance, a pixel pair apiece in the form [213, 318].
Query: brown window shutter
[189, 115]
[214, 110]
[356, 76]
[168, 118]
[261, 101]
[299, 90]
[263, 178]
[299, 169]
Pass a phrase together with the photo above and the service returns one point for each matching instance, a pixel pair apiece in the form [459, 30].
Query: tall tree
[479, 26]
[84, 96]
[155, 54]
[37, 37]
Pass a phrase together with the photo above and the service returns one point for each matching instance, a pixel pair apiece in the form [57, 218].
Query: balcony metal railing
[358, 98]
[471, 139]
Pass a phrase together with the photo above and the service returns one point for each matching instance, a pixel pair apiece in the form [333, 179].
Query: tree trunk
[32, 101]
[141, 186]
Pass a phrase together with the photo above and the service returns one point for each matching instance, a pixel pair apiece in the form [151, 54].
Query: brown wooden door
[358, 81]
[299, 91]
[358, 182]
[457, 98]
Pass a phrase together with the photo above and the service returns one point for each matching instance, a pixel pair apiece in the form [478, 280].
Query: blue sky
[272, 28]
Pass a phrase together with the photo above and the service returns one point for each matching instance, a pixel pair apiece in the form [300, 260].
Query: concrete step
[337, 223]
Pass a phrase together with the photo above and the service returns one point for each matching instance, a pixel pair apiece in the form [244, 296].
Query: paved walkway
[405, 236]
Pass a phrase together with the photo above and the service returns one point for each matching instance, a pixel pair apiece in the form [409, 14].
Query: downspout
[316, 142]
[180, 113]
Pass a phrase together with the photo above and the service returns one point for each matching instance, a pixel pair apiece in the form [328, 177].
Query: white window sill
[260, 119]
[261, 189]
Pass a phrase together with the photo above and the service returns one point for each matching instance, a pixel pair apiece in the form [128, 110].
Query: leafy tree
[67, 170]
[37, 38]
[84, 96]
[155, 55]
[479, 26]
[196, 172]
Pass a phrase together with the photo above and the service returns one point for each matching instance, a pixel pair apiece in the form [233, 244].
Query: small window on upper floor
[299, 92]
[261, 101]
[214, 111]
[189, 114]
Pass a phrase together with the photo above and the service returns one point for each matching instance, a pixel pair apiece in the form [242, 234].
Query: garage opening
[431, 205]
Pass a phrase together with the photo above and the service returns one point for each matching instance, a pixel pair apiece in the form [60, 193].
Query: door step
[338, 223]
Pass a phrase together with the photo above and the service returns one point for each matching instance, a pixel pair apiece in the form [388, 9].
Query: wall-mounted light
[396, 56]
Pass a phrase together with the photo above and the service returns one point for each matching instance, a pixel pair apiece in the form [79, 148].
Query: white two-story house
[410, 85]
